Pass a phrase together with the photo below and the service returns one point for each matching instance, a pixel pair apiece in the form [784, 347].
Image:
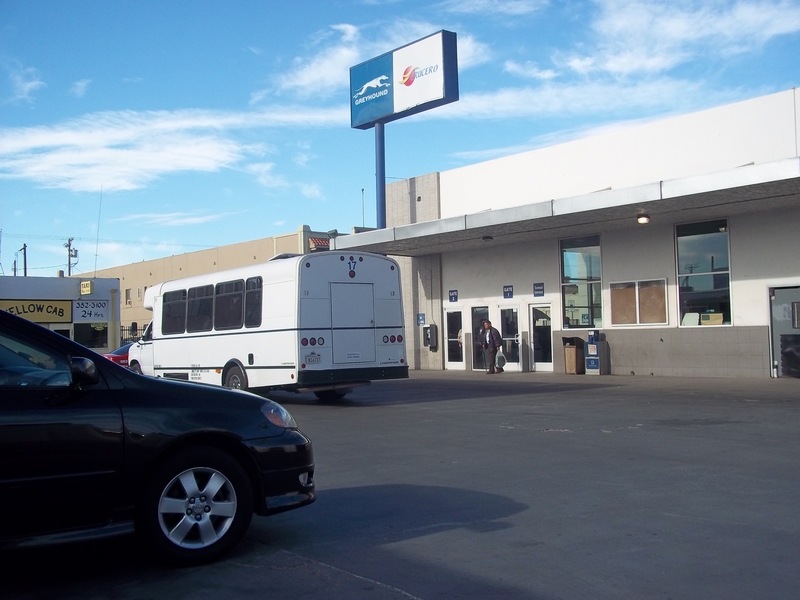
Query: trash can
[573, 356]
[596, 355]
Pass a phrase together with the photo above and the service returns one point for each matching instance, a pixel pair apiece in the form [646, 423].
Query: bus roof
[280, 267]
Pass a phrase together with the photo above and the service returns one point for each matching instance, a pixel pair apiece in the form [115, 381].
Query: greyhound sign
[405, 81]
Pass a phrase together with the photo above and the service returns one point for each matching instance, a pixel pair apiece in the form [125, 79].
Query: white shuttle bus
[322, 322]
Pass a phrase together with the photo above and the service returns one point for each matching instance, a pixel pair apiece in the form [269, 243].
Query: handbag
[500, 359]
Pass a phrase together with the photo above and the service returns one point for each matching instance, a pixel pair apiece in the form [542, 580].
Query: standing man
[491, 343]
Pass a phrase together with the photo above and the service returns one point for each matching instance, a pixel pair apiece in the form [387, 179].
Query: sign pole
[380, 176]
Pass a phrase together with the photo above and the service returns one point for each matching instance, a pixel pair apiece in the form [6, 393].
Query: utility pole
[71, 253]
[24, 251]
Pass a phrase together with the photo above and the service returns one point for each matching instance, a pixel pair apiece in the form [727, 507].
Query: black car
[90, 449]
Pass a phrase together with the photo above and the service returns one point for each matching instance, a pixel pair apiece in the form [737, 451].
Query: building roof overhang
[749, 188]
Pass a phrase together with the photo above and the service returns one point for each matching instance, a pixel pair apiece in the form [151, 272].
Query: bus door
[353, 323]
[142, 352]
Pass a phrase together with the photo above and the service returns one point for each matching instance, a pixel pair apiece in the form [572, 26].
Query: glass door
[454, 357]
[479, 313]
[541, 347]
[509, 331]
[785, 330]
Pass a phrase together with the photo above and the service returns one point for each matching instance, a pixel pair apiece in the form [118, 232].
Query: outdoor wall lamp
[643, 219]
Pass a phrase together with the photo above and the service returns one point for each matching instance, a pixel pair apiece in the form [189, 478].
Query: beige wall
[135, 278]
[414, 201]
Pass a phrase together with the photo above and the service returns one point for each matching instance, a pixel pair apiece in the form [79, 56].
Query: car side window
[23, 363]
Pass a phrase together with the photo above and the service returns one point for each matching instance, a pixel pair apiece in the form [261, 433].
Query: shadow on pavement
[350, 524]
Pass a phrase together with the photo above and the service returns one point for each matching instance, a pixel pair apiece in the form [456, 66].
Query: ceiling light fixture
[643, 219]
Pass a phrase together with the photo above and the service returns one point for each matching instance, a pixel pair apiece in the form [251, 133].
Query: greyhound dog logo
[378, 82]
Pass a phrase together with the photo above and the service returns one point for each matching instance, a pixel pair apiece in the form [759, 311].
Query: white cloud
[265, 176]
[528, 70]
[25, 82]
[635, 37]
[127, 150]
[581, 99]
[172, 219]
[311, 190]
[302, 155]
[79, 88]
[471, 52]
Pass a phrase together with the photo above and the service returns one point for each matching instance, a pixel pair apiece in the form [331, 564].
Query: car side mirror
[83, 370]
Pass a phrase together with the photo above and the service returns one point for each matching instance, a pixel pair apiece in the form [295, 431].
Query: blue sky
[143, 129]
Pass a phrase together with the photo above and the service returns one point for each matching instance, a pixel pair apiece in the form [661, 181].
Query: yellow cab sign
[40, 311]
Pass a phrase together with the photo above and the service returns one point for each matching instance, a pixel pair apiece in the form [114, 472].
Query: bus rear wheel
[235, 379]
[330, 395]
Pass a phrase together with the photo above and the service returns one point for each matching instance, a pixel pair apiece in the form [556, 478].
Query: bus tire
[235, 378]
[135, 368]
[330, 395]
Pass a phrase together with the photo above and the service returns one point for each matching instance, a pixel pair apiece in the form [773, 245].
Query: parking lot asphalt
[519, 485]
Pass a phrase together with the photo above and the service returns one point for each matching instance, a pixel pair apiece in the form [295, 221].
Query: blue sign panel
[453, 295]
[508, 291]
[538, 289]
[420, 318]
[373, 97]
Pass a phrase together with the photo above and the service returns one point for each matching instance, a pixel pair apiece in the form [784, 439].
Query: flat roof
[749, 188]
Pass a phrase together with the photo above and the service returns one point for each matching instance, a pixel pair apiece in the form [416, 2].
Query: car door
[60, 443]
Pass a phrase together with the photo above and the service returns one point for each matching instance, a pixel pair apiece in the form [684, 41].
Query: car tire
[196, 507]
[235, 379]
[135, 368]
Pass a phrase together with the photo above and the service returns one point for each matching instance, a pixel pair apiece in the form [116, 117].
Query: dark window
[252, 302]
[229, 305]
[173, 312]
[91, 335]
[200, 310]
[581, 274]
[703, 273]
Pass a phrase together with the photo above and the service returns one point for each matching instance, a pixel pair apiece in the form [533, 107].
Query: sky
[135, 130]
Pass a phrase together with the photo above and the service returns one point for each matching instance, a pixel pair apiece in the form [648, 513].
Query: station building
[665, 248]
[674, 244]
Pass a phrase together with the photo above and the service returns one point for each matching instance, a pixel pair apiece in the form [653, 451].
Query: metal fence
[129, 334]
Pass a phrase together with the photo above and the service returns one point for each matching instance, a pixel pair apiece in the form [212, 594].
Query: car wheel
[135, 368]
[235, 379]
[196, 507]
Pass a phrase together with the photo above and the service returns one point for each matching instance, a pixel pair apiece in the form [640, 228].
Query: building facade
[672, 243]
[83, 309]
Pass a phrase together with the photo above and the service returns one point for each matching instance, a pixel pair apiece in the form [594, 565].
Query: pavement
[537, 486]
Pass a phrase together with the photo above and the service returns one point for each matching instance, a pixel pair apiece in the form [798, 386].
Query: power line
[84, 239]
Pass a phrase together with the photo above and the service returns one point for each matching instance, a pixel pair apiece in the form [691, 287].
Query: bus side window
[252, 302]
